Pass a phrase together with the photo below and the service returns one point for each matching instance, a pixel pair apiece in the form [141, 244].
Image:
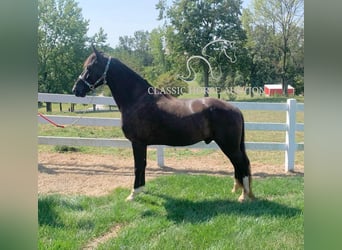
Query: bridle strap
[103, 77]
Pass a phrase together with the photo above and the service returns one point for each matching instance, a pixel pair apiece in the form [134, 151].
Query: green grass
[179, 212]
[80, 131]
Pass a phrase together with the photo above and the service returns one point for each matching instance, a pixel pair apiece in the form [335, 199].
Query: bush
[299, 85]
[63, 149]
[231, 96]
[169, 84]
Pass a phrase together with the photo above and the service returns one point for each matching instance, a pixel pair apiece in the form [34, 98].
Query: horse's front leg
[236, 185]
[139, 152]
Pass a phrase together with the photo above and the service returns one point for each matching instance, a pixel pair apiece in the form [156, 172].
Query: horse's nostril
[74, 89]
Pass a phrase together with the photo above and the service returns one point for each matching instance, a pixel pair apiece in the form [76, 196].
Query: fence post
[290, 138]
[160, 155]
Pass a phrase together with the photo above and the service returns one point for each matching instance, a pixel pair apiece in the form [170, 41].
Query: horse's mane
[118, 63]
[124, 67]
[140, 78]
[89, 60]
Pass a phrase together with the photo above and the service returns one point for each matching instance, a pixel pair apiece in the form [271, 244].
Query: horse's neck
[127, 89]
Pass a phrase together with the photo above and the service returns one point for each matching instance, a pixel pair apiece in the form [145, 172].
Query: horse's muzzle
[77, 92]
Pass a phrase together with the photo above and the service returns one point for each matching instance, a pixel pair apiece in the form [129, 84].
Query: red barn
[276, 89]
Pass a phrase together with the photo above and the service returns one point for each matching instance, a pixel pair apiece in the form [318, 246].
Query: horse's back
[185, 107]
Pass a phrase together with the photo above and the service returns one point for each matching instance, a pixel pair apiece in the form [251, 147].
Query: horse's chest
[129, 128]
[137, 127]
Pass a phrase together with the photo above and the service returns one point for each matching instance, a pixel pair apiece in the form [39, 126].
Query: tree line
[268, 44]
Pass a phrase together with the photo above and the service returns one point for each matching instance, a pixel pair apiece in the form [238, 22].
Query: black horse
[151, 117]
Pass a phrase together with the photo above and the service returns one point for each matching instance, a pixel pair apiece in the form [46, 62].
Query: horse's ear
[97, 53]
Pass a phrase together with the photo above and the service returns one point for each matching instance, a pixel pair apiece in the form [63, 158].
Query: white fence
[289, 146]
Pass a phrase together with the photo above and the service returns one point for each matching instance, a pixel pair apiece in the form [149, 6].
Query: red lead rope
[47, 119]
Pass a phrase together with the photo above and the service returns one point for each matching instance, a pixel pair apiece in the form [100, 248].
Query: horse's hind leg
[139, 152]
[236, 185]
[242, 171]
[242, 174]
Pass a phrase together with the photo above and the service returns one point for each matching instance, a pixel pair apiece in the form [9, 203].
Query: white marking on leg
[245, 181]
[236, 186]
[245, 191]
[134, 193]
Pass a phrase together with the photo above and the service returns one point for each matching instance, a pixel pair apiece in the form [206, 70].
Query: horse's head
[94, 74]
[223, 47]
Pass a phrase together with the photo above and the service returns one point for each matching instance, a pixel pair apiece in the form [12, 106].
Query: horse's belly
[179, 141]
[172, 132]
[179, 135]
[173, 141]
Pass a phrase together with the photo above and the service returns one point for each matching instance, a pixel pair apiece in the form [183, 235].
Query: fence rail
[290, 127]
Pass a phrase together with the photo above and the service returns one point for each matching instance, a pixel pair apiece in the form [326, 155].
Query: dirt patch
[112, 233]
[77, 173]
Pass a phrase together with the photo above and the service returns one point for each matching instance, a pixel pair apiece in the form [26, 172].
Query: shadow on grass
[182, 210]
[67, 168]
[48, 208]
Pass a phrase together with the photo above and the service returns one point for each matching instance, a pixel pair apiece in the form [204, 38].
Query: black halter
[103, 77]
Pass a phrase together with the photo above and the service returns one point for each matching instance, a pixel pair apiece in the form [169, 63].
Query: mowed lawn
[178, 212]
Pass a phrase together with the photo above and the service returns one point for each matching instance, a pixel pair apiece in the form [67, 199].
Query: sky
[120, 18]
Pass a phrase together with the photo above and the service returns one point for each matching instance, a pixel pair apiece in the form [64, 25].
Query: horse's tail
[243, 147]
[242, 142]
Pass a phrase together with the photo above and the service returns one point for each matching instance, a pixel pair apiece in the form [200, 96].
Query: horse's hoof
[135, 192]
[252, 197]
[130, 197]
[242, 198]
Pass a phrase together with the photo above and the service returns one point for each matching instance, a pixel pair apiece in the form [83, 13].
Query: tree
[170, 84]
[158, 50]
[135, 51]
[296, 69]
[99, 40]
[61, 44]
[193, 24]
[263, 54]
[284, 17]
